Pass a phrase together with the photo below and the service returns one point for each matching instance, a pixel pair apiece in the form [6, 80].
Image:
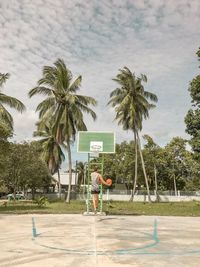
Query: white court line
[95, 242]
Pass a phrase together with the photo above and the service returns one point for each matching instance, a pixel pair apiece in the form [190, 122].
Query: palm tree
[12, 102]
[52, 151]
[80, 168]
[64, 105]
[131, 106]
[153, 149]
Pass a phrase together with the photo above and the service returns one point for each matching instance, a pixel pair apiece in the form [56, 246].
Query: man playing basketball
[96, 179]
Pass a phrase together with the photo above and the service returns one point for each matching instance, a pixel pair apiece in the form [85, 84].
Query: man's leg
[95, 201]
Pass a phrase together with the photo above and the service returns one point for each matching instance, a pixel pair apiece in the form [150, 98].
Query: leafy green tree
[169, 167]
[5, 131]
[25, 169]
[64, 105]
[37, 176]
[152, 153]
[175, 163]
[192, 181]
[5, 134]
[131, 105]
[192, 118]
[119, 166]
[12, 102]
[11, 177]
[192, 121]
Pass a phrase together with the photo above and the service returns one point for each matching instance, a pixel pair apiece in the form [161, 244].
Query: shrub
[42, 201]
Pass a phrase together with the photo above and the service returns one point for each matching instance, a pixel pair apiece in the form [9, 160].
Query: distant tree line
[171, 167]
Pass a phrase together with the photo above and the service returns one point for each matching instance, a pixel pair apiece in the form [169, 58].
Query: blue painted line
[132, 251]
[154, 237]
[34, 231]
[118, 251]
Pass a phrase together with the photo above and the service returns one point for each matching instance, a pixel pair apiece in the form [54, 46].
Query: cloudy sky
[95, 38]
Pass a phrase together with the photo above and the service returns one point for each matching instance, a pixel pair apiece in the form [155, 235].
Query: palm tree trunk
[59, 185]
[136, 165]
[156, 184]
[143, 167]
[70, 172]
[175, 188]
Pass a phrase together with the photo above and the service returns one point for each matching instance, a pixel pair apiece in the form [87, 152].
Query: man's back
[95, 180]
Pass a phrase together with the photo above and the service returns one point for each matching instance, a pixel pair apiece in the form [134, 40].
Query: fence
[125, 195]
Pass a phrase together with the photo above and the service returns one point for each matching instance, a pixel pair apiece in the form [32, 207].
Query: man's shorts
[95, 192]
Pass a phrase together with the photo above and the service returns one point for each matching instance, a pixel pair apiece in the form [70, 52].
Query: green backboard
[101, 142]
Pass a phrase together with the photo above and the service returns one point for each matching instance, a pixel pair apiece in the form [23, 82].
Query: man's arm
[102, 180]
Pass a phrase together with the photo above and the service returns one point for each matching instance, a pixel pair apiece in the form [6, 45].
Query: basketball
[109, 181]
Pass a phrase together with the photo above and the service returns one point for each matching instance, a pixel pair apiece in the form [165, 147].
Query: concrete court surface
[99, 241]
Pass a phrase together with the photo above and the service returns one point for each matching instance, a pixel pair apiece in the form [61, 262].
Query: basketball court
[98, 241]
[91, 241]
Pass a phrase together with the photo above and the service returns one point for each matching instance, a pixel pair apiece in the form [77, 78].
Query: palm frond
[86, 100]
[48, 80]
[45, 106]
[63, 75]
[12, 102]
[40, 90]
[144, 78]
[6, 117]
[85, 109]
[117, 91]
[39, 133]
[75, 85]
[3, 78]
[151, 96]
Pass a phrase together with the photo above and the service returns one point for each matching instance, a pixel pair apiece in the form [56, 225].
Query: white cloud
[96, 38]
[24, 125]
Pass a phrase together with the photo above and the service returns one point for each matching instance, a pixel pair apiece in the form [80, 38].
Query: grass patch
[55, 207]
[191, 208]
[162, 209]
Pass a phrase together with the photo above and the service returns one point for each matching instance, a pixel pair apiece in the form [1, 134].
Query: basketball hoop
[101, 142]
[96, 146]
